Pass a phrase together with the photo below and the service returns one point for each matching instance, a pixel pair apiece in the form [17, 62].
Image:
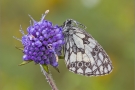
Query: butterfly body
[83, 55]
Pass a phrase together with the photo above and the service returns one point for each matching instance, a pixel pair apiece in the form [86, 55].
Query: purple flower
[43, 43]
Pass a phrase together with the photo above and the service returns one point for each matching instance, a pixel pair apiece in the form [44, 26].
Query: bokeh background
[110, 22]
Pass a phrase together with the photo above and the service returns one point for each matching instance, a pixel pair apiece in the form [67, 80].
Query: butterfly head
[68, 24]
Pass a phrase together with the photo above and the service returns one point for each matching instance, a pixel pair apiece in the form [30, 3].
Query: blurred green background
[110, 22]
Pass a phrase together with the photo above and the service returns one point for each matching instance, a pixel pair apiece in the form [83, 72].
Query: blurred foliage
[110, 22]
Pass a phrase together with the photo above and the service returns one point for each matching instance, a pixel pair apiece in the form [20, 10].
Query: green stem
[49, 79]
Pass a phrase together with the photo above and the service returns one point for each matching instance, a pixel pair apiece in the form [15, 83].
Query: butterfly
[82, 53]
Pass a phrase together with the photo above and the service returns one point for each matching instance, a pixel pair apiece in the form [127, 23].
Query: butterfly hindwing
[83, 54]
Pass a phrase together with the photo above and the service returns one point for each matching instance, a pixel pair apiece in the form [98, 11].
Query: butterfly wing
[83, 54]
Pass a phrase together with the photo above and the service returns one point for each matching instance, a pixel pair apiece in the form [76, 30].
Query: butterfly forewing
[83, 55]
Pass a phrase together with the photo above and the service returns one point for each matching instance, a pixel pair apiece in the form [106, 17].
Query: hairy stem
[49, 79]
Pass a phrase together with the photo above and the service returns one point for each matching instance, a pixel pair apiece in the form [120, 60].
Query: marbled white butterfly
[83, 55]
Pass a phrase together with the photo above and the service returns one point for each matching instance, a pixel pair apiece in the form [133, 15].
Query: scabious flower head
[43, 43]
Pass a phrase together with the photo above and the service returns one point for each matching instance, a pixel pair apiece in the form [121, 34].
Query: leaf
[57, 69]
[20, 48]
[46, 68]
[25, 62]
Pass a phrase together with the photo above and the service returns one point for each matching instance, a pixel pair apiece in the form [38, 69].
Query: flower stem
[49, 78]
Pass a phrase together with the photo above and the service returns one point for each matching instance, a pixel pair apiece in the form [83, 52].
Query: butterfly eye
[69, 22]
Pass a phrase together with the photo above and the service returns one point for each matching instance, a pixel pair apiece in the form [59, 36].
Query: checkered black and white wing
[83, 55]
